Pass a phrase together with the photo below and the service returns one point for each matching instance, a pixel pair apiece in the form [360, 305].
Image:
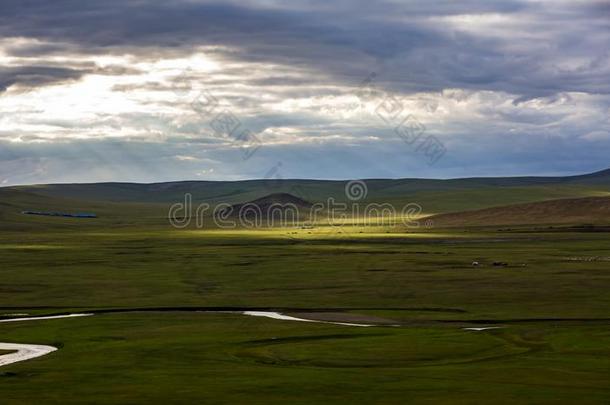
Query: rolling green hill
[315, 190]
[129, 202]
[581, 211]
[14, 201]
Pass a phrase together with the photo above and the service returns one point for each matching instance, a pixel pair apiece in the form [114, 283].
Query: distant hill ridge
[579, 211]
[434, 195]
[163, 186]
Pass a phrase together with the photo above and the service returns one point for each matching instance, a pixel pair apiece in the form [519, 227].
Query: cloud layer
[149, 91]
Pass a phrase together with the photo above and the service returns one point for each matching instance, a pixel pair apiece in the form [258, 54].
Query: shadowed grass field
[548, 273]
[220, 358]
[551, 303]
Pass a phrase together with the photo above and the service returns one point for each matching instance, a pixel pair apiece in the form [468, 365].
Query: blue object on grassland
[60, 214]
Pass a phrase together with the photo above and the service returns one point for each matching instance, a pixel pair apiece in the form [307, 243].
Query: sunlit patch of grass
[31, 247]
[318, 232]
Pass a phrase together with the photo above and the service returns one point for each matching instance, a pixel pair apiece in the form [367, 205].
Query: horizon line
[314, 179]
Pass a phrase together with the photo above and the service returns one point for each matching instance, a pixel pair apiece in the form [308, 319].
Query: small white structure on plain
[475, 264]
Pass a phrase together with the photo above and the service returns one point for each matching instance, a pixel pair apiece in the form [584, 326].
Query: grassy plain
[220, 358]
[552, 304]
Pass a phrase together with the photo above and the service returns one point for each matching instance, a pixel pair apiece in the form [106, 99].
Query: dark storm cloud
[404, 41]
[31, 76]
[38, 50]
[34, 76]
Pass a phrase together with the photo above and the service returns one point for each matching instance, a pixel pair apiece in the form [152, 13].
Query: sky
[152, 91]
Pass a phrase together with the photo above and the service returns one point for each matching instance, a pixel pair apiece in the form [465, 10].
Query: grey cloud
[344, 39]
[33, 76]
[154, 86]
[38, 50]
[313, 48]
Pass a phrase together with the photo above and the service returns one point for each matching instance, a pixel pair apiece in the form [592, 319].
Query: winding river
[24, 352]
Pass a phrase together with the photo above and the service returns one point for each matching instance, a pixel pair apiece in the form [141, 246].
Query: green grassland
[551, 305]
[219, 358]
[281, 268]
[552, 347]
